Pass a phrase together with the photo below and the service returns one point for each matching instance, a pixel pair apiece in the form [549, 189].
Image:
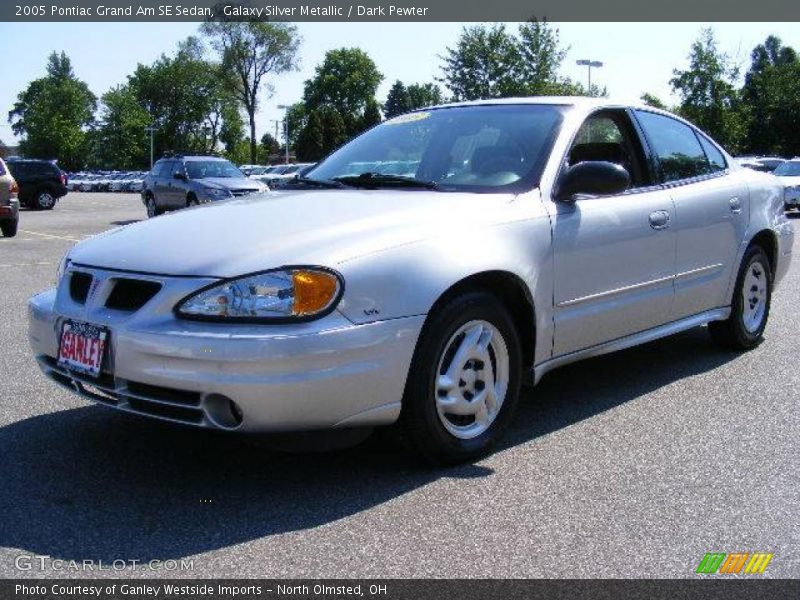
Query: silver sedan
[421, 273]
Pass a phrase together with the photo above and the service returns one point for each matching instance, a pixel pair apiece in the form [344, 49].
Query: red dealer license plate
[82, 347]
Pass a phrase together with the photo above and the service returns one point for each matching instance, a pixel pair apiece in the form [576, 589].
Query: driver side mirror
[593, 177]
[179, 175]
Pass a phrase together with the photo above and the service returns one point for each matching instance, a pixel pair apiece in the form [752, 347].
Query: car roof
[576, 101]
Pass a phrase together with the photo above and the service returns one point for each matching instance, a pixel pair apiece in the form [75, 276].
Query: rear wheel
[9, 228]
[191, 200]
[464, 381]
[45, 200]
[752, 296]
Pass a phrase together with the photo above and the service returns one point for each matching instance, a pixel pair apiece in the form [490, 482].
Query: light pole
[286, 107]
[589, 64]
[151, 129]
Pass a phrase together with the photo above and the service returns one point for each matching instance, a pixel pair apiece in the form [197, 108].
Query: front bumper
[323, 374]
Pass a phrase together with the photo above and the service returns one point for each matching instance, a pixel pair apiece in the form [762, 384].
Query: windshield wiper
[325, 183]
[371, 180]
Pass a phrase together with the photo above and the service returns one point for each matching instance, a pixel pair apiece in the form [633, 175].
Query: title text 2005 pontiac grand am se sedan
[421, 273]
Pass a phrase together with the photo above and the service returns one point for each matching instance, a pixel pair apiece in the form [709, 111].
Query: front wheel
[150, 206]
[464, 381]
[744, 329]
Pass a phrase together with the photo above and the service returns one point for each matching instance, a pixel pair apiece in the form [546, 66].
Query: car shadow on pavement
[122, 223]
[89, 483]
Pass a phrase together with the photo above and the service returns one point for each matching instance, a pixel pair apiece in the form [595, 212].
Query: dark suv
[182, 181]
[41, 183]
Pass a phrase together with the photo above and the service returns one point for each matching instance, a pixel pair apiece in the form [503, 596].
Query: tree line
[204, 97]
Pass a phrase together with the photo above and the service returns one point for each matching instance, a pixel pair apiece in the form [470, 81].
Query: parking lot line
[50, 235]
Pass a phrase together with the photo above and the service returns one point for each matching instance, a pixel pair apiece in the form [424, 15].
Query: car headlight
[217, 193]
[291, 294]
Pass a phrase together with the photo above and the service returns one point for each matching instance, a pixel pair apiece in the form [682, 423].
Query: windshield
[488, 148]
[201, 169]
[788, 169]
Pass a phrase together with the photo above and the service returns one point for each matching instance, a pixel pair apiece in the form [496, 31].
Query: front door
[614, 256]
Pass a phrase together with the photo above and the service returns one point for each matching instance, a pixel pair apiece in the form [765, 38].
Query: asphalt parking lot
[629, 465]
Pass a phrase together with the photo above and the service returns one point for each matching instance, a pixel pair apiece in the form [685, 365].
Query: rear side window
[676, 146]
[715, 159]
[2, 168]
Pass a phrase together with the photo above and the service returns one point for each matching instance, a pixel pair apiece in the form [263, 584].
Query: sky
[637, 57]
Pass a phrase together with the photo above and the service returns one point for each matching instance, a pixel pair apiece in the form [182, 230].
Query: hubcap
[151, 208]
[472, 379]
[46, 200]
[754, 297]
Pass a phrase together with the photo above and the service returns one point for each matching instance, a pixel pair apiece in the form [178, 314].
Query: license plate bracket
[83, 347]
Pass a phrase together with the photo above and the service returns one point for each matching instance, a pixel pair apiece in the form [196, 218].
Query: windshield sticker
[409, 118]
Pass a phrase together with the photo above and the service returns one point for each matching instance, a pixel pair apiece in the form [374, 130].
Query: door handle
[736, 205]
[659, 219]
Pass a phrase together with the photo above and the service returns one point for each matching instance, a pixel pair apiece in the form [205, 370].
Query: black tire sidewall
[419, 414]
[745, 337]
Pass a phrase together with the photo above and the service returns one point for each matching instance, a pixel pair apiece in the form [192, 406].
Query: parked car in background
[183, 181]
[765, 164]
[789, 175]
[535, 232]
[283, 174]
[136, 182]
[41, 183]
[9, 202]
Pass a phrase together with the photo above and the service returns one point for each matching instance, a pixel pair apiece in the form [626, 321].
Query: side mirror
[594, 177]
[179, 175]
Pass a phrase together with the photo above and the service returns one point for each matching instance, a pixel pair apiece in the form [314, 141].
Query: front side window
[608, 136]
[201, 169]
[488, 148]
[675, 144]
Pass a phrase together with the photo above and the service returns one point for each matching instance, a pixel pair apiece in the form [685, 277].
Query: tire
[752, 298]
[45, 200]
[151, 207]
[452, 343]
[9, 228]
[191, 200]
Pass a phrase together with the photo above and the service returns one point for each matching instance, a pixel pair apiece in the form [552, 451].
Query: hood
[230, 183]
[265, 231]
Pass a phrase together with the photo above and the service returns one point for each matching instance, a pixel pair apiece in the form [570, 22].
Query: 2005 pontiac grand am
[421, 273]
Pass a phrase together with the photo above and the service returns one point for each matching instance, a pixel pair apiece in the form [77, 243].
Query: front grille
[243, 192]
[181, 406]
[131, 294]
[79, 284]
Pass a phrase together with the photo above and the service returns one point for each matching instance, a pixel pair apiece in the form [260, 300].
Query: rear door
[614, 256]
[711, 211]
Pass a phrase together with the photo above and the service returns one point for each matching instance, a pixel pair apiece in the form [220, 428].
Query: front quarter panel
[407, 280]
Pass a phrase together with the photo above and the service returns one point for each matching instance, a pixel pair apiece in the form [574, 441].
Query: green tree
[121, 140]
[490, 62]
[398, 101]
[324, 132]
[422, 95]
[771, 94]
[346, 81]
[652, 100]
[372, 114]
[269, 146]
[250, 51]
[708, 94]
[54, 114]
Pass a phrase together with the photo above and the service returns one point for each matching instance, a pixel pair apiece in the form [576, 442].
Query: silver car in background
[532, 233]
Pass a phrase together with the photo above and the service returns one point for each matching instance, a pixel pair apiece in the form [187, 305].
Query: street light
[589, 64]
[286, 107]
[151, 129]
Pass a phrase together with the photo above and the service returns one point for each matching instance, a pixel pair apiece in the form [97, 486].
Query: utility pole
[285, 108]
[589, 64]
[151, 130]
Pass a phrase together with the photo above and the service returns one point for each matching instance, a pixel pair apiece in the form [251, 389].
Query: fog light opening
[223, 411]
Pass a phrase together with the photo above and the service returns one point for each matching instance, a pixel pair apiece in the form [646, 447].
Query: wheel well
[767, 240]
[512, 292]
